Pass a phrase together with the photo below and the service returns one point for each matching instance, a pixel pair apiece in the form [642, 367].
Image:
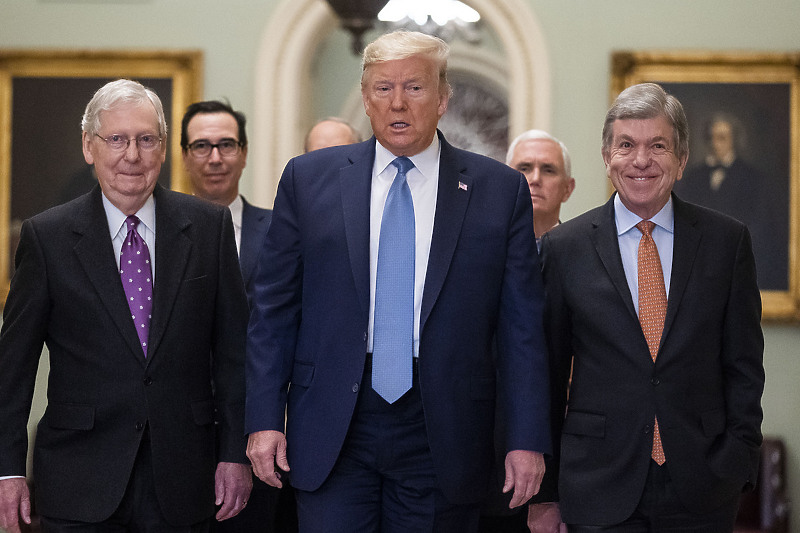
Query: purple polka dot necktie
[134, 270]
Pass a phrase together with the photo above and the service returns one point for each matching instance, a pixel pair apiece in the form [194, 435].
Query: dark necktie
[134, 270]
[652, 308]
[393, 328]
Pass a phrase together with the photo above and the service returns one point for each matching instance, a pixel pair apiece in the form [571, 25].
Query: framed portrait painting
[744, 124]
[43, 95]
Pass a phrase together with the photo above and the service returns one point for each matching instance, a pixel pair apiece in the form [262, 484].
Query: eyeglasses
[226, 147]
[146, 142]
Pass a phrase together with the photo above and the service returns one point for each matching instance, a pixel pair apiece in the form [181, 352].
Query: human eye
[227, 144]
[200, 145]
[148, 140]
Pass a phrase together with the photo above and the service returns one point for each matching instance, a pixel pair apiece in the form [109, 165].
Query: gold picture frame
[42, 97]
[748, 101]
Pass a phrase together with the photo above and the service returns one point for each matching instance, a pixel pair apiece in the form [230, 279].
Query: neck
[544, 222]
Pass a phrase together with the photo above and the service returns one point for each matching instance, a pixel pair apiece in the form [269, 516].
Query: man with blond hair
[389, 268]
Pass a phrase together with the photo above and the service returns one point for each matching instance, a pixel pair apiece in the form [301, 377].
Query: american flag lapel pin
[462, 185]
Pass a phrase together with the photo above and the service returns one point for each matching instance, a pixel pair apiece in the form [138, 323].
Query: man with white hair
[546, 164]
[136, 291]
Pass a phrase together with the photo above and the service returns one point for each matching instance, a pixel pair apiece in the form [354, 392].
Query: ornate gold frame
[184, 69]
[629, 68]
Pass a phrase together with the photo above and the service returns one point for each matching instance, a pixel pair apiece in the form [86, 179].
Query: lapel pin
[462, 185]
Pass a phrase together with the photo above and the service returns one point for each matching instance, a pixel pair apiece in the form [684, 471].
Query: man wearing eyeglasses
[214, 143]
[137, 293]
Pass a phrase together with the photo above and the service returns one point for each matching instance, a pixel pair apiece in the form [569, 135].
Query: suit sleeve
[229, 348]
[558, 331]
[25, 320]
[275, 315]
[742, 359]
[522, 356]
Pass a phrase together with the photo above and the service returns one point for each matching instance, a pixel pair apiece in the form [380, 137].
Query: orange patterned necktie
[652, 308]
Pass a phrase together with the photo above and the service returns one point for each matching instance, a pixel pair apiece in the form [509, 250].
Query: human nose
[132, 150]
[641, 157]
[398, 100]
[215, 156]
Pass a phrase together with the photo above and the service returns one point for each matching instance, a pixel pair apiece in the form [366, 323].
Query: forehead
[211, 124]
[644, 129]
[543, 149]
[137, 117]
[414, 67]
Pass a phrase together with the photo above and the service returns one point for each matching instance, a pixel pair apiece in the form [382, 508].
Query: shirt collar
[427, 161]
[237, 207]
[116, 218]
[626, 220]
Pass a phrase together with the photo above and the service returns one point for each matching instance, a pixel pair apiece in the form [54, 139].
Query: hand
[545, 518]
[15, 503]
[524, 472]
[232, 485]
[265, 449]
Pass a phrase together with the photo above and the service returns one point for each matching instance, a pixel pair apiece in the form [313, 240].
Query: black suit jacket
[102, 392]
[705, 385]
[310, 315]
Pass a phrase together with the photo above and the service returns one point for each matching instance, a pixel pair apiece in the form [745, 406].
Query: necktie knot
[646, 227]
[403, 165]
[132, 222]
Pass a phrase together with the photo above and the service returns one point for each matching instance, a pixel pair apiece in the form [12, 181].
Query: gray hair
[531, 135]
[402, 44]
[118, 93]
[648, 100]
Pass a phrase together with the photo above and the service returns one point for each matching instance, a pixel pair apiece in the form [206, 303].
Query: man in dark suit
[654, 301]
[214, 143]
[144, 347]
[369, 452]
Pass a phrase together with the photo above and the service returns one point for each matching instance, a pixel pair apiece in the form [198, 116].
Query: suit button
[139, 426]
[148, 381]
[365, 336]
[647, 429]
[655, 381]
[355, 387]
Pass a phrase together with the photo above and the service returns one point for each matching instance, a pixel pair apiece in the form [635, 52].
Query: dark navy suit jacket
[255, 223]
[309, 321]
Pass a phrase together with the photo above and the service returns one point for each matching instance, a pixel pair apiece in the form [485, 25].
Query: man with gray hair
[389, 269]
[137, 293]
[653, 311]
[545, 162]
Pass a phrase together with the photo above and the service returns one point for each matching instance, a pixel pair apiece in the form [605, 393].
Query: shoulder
[705, 218]
[254, 210]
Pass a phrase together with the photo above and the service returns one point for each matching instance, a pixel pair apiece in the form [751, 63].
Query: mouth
[400, 125]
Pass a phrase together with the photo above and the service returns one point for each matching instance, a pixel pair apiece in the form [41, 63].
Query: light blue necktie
[393, 330]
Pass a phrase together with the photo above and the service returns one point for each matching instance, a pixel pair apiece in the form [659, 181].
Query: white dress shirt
[146, 229]
[423, 180]
[629, 236]
[237, 207]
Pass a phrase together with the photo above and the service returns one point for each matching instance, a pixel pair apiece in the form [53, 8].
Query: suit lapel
[455, 188]
[355, 185]
[684, 251]
[172, 255]
[254, 226]
[95, 253]
[606, 243]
